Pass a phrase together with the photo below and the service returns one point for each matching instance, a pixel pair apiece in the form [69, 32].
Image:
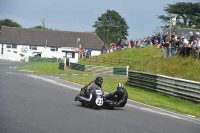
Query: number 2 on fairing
[99, 101]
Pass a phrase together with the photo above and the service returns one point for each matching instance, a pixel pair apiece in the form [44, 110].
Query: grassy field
[49, 68]
[147, 59]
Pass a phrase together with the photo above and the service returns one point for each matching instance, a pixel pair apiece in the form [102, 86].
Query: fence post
[127, 68]
[65, 60]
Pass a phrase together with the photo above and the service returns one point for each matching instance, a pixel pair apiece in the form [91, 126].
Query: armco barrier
[144, 80]
[119, 71]
[180, 88]
[77, 66]
[99, 69]
[62, 66]
[41, 59]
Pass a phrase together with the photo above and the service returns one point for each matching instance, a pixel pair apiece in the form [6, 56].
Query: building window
[14, 46]
[33, 47]
[8, 46]
[71, 55]
[54, 49]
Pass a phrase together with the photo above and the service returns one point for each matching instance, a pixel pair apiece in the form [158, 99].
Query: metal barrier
[99, 69]
[61, 66]
[41, 59]
[114, 61]
[77, 66]
[180, 88]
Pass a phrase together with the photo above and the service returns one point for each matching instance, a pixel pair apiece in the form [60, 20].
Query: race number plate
[99, 101]
[99, 92]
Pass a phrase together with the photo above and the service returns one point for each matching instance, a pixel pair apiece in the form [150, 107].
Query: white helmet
[120, 87]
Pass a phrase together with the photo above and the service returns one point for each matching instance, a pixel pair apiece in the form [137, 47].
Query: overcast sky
[80, 15]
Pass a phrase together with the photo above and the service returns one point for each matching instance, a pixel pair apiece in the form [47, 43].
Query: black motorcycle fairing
[94, 97]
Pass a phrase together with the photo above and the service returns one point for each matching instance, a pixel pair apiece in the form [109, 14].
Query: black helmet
[99, 80]
[120, 87]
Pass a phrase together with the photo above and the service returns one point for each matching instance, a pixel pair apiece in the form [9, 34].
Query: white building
[19, 43]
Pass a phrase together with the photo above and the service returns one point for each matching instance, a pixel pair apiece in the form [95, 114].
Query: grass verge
[144, 96]
[49, 68]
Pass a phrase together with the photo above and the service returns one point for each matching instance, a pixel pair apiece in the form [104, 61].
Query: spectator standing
[158, 38]
[164, 36]
[148, 41]
[123, 44]
[173, 45]
[128, 44]
[165, 47]
[132, 44]
[114, 46]
[153, 39]
[190, 45]
[179, 45]
[80, 53]
[161, 37]
[89, 52]
[185, 46]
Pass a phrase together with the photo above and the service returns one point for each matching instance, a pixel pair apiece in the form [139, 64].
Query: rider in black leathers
[120, 96]
[85, 90]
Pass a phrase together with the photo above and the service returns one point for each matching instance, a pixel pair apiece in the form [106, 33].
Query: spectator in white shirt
[183, 48]
[185, 41]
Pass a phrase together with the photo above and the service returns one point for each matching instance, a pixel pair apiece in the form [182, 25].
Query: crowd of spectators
[138, 43]
[180, 45]
[171, 44]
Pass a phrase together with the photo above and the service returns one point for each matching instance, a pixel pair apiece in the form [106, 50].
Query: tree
[39, 27]
[187, 14]
[8, 22]
[43, 25]
[111, 27]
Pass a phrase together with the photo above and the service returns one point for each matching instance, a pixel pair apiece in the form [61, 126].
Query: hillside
[150, 59]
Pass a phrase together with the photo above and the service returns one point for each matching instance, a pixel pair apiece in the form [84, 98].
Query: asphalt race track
[45, 104]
